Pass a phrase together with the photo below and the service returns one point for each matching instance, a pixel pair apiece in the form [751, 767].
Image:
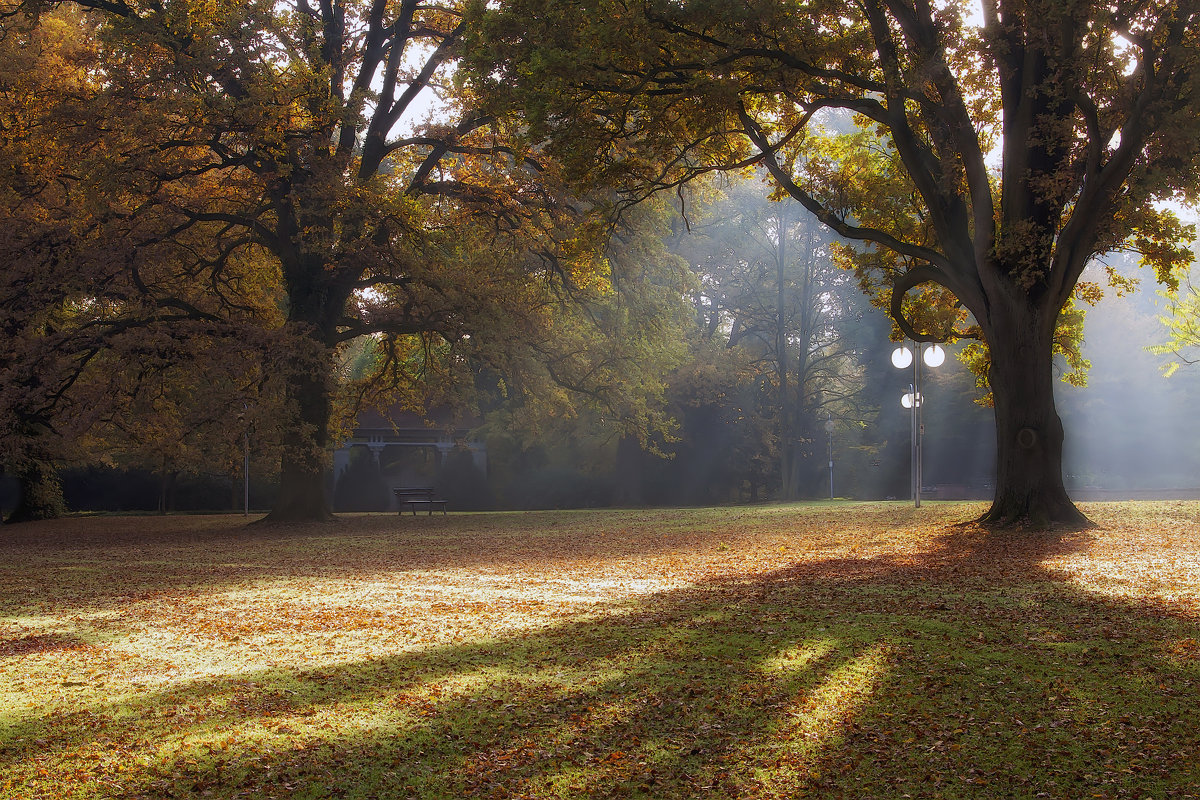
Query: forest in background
[1131, 428]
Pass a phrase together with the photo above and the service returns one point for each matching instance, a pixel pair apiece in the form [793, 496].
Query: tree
[726, 448]
[175, 401]
[769, 285]
[1091, 108]
[587, 384]
[293, 130]
[48, 251]
[95, 299]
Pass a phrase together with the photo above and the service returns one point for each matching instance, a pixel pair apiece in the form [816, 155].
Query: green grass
[825, 650]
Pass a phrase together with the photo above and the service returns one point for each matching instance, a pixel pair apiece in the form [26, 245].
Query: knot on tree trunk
[1027, 438]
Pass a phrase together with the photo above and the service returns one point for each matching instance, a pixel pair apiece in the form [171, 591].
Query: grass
[824, 650]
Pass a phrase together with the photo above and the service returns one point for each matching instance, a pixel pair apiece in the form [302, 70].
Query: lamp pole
[246, 476]
[914, 467]
[829, 429]
[933, 356]
[245, 417]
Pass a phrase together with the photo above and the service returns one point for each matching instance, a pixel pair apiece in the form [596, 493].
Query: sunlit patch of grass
[815, 720]
[799, 657]
[858, 650]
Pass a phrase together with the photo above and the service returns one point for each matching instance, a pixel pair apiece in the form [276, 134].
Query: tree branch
[839, 225]
[914, 277]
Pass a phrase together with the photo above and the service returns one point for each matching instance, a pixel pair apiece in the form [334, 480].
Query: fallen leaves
[858, 650]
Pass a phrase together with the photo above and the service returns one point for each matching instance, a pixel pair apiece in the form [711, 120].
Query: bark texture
[41, 494]
[1029, 432]
[304, 495]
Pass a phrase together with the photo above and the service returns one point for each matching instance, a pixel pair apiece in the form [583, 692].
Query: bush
[462, 484]
[108, 489]
[361, 486]
[99, 488]
[558, 487]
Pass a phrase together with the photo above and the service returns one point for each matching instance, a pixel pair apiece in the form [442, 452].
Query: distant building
[404, 450]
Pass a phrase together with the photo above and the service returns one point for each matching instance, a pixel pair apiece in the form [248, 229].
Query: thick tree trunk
[1029, 433]
[317, 300]
[41, 494]
[303, 494]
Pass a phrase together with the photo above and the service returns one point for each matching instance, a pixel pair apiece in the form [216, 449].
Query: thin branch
[839, 225]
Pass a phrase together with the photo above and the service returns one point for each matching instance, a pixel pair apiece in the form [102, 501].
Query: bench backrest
[414, 493]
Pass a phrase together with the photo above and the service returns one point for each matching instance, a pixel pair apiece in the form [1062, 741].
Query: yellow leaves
[1186, 648]
[201, 15]
[858, 174]
[1162, 240]
[1068, 343]
[1089, 292]
[1182, 326]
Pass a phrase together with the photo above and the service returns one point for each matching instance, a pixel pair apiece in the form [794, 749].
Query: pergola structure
[409, 449]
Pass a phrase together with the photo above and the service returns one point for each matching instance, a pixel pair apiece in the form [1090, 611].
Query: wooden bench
[418, 496]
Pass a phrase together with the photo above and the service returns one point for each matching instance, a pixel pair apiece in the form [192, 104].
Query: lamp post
[244, 419]
[829, 429]
[933, 356]
[246, 474]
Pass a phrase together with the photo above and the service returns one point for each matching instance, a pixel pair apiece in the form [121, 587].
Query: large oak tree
[298, 131]
[99, 297]
[995, 157]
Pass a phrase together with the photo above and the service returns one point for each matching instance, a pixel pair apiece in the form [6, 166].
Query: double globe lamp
[902, 357]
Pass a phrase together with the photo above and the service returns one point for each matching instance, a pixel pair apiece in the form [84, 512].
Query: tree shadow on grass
[969, 670]
[76, 566]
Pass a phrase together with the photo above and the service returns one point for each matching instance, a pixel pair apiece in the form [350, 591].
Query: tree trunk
[787, 452]
[303, 494]
[791, 479]
[168, 479]
[41, 494]
[1029, 433]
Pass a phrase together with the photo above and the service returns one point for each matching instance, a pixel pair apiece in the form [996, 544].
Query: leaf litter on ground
[824, 650]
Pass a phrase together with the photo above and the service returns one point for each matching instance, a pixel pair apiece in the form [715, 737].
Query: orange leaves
[858, 649]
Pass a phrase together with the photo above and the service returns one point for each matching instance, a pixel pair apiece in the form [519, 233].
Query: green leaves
[1182, 324]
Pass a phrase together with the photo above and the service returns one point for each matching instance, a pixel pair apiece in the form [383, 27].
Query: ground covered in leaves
[828, 650]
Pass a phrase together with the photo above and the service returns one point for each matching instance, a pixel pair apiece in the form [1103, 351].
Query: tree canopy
[440, 180]
[990, 161]
[285, 152]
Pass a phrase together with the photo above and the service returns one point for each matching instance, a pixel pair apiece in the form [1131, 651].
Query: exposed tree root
[296, 517]
[1036, 513]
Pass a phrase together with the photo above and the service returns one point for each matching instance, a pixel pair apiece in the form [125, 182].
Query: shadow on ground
[967, 670]
[78, 565]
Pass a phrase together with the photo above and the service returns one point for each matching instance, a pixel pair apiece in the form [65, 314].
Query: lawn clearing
[824, 650]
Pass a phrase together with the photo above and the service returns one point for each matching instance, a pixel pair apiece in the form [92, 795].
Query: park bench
[414, 496]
